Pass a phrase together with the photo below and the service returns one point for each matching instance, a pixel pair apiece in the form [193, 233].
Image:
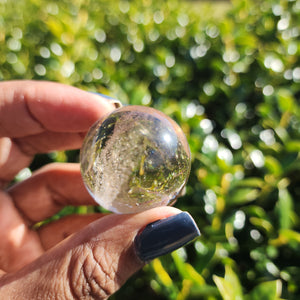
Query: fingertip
[64, 108]
[157, 213]
[112, 101]
[165, 235]
[106, 103]
[51, 106]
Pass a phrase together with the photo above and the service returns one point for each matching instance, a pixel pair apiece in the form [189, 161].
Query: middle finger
[48, 190]
[54, 232]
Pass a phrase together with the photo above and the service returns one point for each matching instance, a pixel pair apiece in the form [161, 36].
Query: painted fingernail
[115, 102]
[164, 236]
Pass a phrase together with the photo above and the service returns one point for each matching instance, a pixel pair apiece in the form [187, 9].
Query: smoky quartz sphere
[135, 159]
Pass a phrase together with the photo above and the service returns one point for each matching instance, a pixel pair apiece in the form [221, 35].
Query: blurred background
[229, 73]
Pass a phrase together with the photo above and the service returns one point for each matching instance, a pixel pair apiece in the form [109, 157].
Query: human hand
[79, 256]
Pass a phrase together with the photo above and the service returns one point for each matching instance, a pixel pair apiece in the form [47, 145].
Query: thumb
[96, 262]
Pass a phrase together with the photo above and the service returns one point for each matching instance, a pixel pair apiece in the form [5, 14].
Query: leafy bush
[232, 84]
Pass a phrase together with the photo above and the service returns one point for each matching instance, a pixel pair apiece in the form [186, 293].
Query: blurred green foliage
[232, 83]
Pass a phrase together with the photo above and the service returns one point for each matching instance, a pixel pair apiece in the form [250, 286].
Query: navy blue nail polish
[116, 102]
[104, 96]
[164, 236]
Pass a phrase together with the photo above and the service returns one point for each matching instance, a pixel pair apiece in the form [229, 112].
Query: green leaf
[229, 286]
[285, 100]
[286, 236]
[225, 288]
[242, 195]
[231, 277]
[270, 290]
[273, 165]
[251, 182]
[187, 271]
[262, 224]
[285, 208]
[206, 255]
[161, 273]
[293, 146]
[139, 94]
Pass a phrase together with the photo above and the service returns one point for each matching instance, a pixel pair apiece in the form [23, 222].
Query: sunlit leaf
[187, 271]
[229, 286]
[242, 195]
[270, 290]
[251, 182]
[286, 236]
[285, 208]
[293, 146]
[285, 100]
[273, 165]
[262, 224]
[185, 291]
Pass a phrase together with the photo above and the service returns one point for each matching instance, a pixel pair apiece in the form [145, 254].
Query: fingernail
[115, 102]
[166, 235]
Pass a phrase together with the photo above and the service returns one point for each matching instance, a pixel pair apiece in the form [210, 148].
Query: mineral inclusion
[135, 159]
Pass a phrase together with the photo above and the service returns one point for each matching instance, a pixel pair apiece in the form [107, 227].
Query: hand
[79, 256]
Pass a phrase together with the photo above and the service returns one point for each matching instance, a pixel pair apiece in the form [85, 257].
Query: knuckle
[92, 275]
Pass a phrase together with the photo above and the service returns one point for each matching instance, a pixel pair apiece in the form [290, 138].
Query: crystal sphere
[135, 159]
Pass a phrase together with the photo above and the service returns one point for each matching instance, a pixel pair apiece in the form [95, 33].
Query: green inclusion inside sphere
[135, 159]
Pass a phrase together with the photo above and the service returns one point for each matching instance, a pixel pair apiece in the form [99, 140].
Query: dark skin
[77, 257]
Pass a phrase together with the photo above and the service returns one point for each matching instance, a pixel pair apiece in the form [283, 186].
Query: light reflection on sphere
[135, 159]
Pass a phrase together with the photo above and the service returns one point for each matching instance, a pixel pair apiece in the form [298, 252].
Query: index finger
[33, 107]
[40, 116]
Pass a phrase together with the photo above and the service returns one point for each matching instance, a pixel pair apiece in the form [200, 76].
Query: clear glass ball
[135, 159]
